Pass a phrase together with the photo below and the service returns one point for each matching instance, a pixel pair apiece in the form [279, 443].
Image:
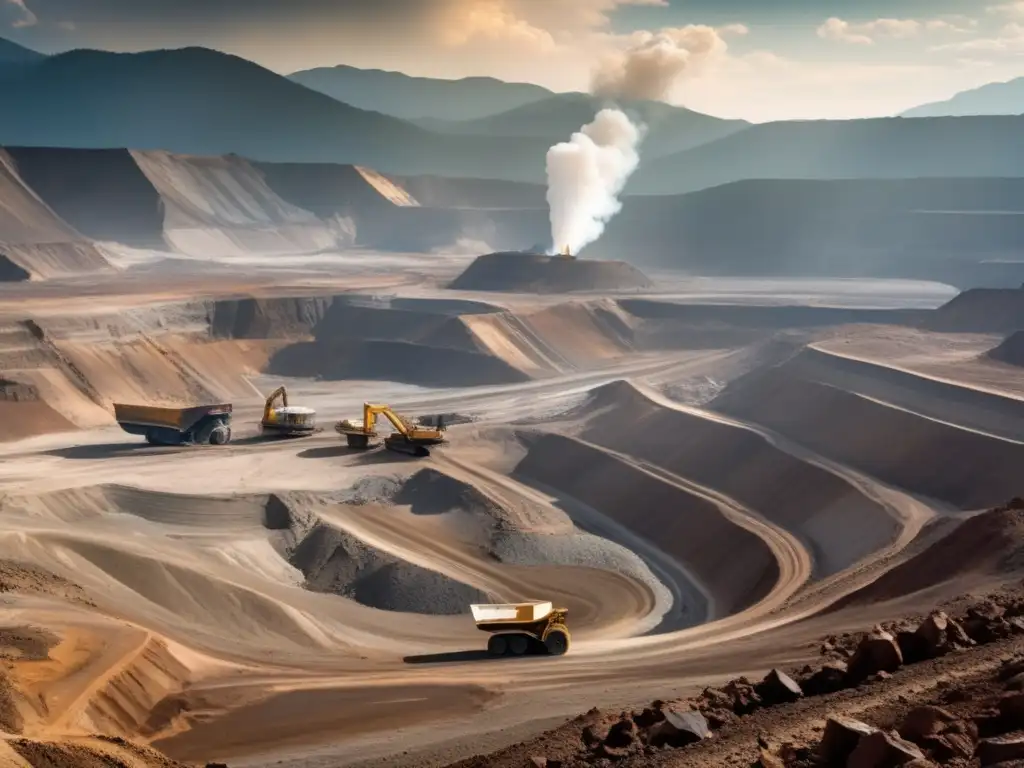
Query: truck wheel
[220, 435]
[557, 642]
[518, 644]
[151, 437]
[497, 645]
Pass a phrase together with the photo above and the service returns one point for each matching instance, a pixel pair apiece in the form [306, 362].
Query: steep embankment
[102, 193]
[34, 242]
[893, 425]
[838, 521]
[222, 206]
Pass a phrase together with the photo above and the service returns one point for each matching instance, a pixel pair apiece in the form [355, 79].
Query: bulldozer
[286, 420]
[409, 438]
[534, 627]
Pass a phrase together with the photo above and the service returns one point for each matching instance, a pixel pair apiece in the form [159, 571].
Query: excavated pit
[535, 273]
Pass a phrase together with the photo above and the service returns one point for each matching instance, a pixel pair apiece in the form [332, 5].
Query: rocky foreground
[948, 690]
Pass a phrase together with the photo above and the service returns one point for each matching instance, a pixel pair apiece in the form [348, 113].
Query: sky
[755, 59]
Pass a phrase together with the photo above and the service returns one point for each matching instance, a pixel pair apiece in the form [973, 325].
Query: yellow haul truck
[198, 425]
[519, 628]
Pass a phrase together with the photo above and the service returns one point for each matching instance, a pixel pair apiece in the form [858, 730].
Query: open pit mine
[507, 510]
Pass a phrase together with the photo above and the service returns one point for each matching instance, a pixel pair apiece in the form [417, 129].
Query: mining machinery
[409, 437]
[534, 627]
[286, 420]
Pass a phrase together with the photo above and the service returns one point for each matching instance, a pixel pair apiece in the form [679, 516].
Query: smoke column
[655, 62]
[586, 175]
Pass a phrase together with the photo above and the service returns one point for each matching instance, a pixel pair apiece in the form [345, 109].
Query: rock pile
[927, 735]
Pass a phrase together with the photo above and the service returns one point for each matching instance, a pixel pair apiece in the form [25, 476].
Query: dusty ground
[704, 493]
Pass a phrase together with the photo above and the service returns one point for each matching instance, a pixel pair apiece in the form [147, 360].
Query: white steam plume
[586, 175]
[651, 65]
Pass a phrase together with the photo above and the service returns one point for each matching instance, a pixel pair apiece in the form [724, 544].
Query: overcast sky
[774, 58]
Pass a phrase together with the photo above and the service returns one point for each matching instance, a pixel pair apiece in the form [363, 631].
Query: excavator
[286, 420]
[409, 438]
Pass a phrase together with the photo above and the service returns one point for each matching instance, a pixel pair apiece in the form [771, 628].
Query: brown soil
[28, 579]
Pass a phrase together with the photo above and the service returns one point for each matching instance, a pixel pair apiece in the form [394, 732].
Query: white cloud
[1013, 10]
[842, 31]
[23, 16]
[1008, 41]
[866, 33]
[734, 29]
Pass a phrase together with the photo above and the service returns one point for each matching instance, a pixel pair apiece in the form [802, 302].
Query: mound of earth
[336, 562]
[1011, 350]
[981, 310]
[535, 273]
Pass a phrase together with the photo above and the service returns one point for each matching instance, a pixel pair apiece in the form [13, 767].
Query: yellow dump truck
[198, 425]
[535, 626]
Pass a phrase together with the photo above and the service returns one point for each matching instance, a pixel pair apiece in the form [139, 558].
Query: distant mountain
[882, 148]
[412, 98]
[670, 129]
[198, 101]
[992, 99]
[12, 53]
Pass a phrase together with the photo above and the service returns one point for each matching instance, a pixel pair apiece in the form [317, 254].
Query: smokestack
[586, 175]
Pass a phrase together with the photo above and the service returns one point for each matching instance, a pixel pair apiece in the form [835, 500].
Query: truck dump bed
[513, 613]
[180, 419]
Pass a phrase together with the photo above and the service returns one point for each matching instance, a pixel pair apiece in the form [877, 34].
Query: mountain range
[992, 99]
[419, 98]
[12, 53]
[203, 102]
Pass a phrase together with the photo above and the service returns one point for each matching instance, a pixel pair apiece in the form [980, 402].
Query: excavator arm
[268, 408]
[370, 412]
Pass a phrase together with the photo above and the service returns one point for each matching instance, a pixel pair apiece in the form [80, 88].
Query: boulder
[841, 737]
[942, 634]
[778, 688]
[882, 750]
[913, 647]
[829, 679]
[679, 729]
[877, 652]
[923, 722]
[1000, 749]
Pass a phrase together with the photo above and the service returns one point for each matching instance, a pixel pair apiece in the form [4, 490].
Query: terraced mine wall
[102, 193]
[883, 425]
